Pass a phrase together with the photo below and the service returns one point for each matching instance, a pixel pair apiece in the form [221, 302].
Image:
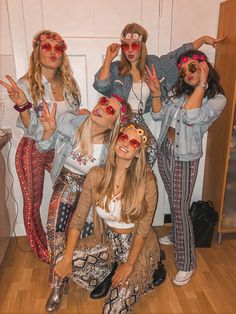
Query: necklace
[53, 86]
[140, 105]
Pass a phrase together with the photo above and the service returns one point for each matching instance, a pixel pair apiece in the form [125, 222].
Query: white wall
[88, 27]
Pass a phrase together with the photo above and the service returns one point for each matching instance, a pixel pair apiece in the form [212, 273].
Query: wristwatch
[203, 85]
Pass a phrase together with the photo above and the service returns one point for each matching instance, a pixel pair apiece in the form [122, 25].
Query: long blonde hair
[84, 132]
[34, 73]
[125, 66]
[133, 203]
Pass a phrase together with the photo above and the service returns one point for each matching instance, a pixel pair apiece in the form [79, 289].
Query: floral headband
[43, 37]
[134, 36]
[194, 57]
[123, 111]
[140, 132]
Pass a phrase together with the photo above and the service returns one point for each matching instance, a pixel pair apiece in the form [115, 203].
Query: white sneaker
[182, 277]
[165, 240]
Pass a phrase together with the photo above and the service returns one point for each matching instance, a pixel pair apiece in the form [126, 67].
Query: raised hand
[48, 119]
[15, 93]
[112, 51]
[152, 80]
[203, 71]
[208, 40]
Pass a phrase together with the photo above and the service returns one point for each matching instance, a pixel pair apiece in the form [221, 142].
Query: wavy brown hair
[125, 65]
[34, 73]
[133, 203]
[214, 87]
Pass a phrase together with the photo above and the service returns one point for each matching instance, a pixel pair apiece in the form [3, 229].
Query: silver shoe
[55, 298]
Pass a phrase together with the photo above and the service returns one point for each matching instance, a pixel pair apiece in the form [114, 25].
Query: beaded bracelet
[158, 96]
[28, 105]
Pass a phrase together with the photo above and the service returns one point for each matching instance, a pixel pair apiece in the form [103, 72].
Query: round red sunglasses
[124, 138]
[192, 68]
[108, 108]
[47, 47]
[133, 46]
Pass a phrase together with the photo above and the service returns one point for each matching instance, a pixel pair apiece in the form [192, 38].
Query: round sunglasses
[192, 68]
[133, 46]
[125, 138]
[108, 108]
[58, 48]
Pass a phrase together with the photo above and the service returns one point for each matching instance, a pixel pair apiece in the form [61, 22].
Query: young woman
[81, 142]
[196, 102]
[50, 78]
[127, 76]
[124, 196]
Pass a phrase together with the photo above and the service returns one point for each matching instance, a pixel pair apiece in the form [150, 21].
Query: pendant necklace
[140, 105]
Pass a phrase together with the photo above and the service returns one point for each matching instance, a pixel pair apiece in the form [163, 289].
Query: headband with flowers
[43, 37]
[134, 36]
[140, 132]
[123, 103]
[194, 57]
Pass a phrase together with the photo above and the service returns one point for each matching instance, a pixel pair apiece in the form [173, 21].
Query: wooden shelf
[220, 165]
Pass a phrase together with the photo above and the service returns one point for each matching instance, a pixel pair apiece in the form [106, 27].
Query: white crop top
[112, 218]
[80, 163]
[138, 96]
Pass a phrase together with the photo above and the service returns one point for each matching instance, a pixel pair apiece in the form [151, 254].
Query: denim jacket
[35, 112]
[166, 67]
[62, 141]
[191, 124]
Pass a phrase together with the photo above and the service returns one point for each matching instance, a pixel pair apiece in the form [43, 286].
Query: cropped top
[112, 218]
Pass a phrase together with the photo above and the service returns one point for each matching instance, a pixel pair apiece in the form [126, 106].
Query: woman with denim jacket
[127, 76]
[196, 102]
[80, 142]
[49, 77]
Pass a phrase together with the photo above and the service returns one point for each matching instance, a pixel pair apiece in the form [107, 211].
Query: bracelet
[158, 96]
[28, 105]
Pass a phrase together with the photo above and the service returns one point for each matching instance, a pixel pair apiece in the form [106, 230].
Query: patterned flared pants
[30, 167]
[179, 178]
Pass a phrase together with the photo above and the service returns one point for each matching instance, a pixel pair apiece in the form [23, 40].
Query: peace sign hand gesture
[15, 93]
[48, 119]
[152, 81]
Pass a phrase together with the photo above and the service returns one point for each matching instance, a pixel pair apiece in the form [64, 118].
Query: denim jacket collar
[76, 122]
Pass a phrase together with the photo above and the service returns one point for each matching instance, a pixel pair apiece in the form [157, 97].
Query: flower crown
[194, 57]
[140, 132]
[134, 36]
[123, 111]
[43, 37]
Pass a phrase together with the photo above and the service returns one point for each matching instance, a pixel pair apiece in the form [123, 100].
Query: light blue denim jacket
[62, 141]
[166, 66]
[190, 124]
[35, 124]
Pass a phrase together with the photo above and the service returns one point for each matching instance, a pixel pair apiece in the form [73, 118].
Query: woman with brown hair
[196, 101]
